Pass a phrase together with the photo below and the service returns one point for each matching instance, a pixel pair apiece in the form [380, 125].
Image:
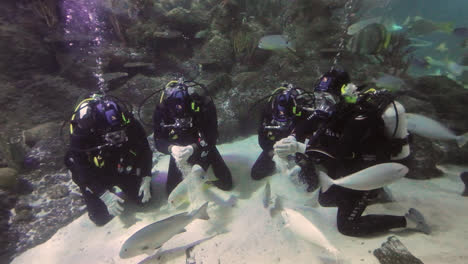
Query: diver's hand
[288, 146]
[182, 153]
[112, 201]
[145, 189]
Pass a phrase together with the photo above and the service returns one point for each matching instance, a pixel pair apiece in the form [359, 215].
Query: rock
[189, 21]
[25, 49]
[113, 76]
[42, 131]
[8, 178]
[425, 155]
[47, 155]
[394, 252]
[217, 53]
[58, 191]
[138, 64]
[24, 212]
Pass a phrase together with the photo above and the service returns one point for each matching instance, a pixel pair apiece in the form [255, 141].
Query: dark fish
[461, 32]
[418, 26]
[464, 44]
[421, 63]
[370, 40]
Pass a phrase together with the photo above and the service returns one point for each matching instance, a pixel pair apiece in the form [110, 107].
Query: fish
[442, 47]
[417, 26]
[372, 39]
[153, 236]
[421, 63]
[430, 128]
[370, 178]
[276, 42]
[161, 253]
[419, 43]
[215, 198]
[464, 44]
[449, 65]
[358, 26]
[461, 32]
[389, 82]
[267, 195]
[306, 230]
[179, 194]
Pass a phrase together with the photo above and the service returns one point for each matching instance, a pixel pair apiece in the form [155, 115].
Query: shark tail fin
[462, 140]
[201, 212]
[325, 181]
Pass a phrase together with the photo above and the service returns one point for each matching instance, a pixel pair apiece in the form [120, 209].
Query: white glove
[182, 153]
[111, 200]
[145, 189]
[288, 146]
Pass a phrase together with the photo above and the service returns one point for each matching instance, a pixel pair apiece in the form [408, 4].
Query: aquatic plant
[244, 43]
[395, 58]
[47, 10]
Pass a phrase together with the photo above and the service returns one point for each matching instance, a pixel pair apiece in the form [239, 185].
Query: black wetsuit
[123, 166]
[352, 140]
[202, 136]
[269, 133]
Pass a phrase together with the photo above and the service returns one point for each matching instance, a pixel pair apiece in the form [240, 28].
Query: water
[56, 51]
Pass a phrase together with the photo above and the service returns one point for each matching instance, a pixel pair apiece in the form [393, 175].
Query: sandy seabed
[247, 233]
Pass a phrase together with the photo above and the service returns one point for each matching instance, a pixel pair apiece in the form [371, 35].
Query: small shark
[367, 179]
[154, 235]
[430, 128]
[306, 230]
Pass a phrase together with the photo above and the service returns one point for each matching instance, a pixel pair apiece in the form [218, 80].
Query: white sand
[251, 235]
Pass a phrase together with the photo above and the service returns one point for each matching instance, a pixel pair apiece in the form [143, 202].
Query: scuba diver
[108, 152]
[353, 132]
[278, 120]
[186, 127]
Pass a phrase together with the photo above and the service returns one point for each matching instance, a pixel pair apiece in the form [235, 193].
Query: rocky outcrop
[8, 178]
[394, 252]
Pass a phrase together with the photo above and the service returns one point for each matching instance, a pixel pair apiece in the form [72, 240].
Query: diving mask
[350, 93]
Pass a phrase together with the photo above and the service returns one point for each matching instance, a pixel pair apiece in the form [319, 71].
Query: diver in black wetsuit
[108, 149]
[464, 178]
[279, 118]
[350, 136]
[185, 125]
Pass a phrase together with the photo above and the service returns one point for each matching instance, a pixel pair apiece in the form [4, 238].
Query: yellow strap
[98, 161]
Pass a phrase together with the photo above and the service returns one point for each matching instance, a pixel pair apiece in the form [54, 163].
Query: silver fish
[367, 179]
[430, 128]
[156, 234]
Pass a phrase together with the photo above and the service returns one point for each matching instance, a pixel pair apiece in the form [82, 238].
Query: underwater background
[55, 52]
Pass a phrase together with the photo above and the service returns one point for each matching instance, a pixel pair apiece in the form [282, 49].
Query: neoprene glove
[182, 153]
[145, 189]
[112, 201]
[288, 146]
